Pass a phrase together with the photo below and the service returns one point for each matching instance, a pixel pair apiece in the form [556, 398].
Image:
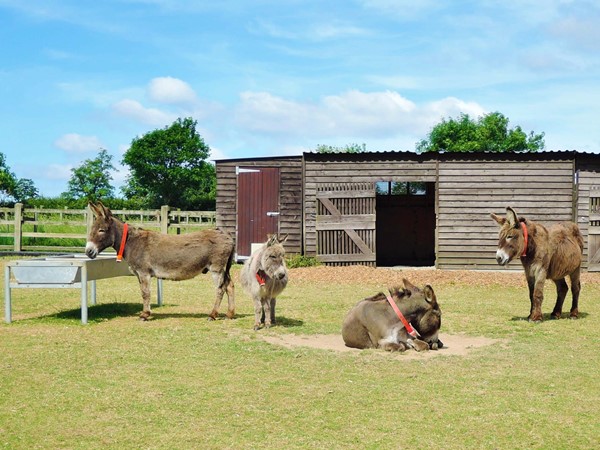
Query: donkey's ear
[430, 295]
[282, 238]
[500, 220]
[271, 239]
[408, 285]
[512, 218]
[96, 209]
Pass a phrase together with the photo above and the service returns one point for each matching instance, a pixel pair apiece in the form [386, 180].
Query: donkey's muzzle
[91, 250]
[502, 257]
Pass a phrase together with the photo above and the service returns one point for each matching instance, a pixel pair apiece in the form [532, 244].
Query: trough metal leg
[7, 305]
[159, 291]
[84, 306]
[93, 289]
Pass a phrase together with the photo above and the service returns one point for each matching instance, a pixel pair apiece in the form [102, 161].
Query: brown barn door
[345, 223]
[257, 206]
[594, 231]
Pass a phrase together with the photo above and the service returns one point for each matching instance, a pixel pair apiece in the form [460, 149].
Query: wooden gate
[345, 224]
[594, 231]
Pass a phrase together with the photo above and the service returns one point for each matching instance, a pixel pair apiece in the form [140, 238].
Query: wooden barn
[402, 208]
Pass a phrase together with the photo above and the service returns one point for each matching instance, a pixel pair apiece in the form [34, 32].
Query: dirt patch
[454, 344]
[384, 276]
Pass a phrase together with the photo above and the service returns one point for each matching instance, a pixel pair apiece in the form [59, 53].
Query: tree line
[169, 166]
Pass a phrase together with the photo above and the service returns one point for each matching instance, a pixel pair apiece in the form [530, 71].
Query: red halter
[123, 240]
[407, 326]
[526, 236]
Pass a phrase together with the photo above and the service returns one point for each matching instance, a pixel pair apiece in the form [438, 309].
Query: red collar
[262, 279]
[526, 236]
[123, 240]
[407, 326]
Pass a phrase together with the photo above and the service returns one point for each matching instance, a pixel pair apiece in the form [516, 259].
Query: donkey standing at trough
[545, 253]
[387, 322]
[170, 257]
[264, 276]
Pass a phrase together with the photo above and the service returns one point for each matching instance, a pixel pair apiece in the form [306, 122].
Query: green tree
[25, 190]
[168, 167]
[489, 133]
[13, 188]
[349, 148]
[8, 180]
[91, 180]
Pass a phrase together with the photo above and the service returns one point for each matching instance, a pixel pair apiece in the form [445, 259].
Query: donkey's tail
[227, 275]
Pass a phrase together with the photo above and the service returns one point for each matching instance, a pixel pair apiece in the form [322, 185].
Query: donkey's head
[422, 305]
[272, 259]
[103, 233]
[511, 241]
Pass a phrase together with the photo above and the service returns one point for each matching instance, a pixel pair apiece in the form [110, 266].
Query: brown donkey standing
[551, 253]
[170, 257]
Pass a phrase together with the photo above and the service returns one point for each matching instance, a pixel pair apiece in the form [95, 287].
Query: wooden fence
[65, 230]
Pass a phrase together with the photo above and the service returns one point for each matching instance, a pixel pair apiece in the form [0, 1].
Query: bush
[298, 260]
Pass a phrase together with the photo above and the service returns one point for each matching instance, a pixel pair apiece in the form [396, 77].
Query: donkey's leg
[575, 290]
[561, 293]
[273, 303]
[268, 314]
[538, 298]
[258, 311]
[221, 286]
[230, 291]
[531, 288]
[144, 280]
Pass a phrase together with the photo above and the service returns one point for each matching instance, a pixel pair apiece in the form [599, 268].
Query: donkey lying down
[170, 257]
[264, 276]
[373, 323]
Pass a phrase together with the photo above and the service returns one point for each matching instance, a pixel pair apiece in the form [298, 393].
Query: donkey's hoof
[144, 317]
[211, 318]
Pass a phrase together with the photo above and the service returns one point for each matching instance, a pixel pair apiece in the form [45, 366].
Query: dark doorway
[258, 206]
[405, 223]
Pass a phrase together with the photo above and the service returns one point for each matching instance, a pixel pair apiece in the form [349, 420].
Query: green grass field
[180, 381]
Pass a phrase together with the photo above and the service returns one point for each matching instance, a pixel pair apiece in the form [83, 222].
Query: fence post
[89, 219]
[18, 227]
[164, 219]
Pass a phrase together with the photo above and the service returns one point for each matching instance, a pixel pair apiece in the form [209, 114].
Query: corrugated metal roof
[398, 154]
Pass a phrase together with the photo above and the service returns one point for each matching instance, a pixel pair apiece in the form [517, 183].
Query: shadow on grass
[287, 323]
[548, 317]
[108, 311]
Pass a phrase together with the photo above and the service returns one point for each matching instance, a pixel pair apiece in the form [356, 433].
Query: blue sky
[278, 77]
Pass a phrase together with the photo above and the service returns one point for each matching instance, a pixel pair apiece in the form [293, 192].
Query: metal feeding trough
[65, 271]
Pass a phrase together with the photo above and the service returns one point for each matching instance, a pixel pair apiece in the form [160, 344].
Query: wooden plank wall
[588, 174]
[469, 190]
[371, 167]
[290, 192]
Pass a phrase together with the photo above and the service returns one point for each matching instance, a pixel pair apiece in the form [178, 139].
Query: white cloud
[171, 91]
[135, 110]
[216, 153]
[76, 143]
[315, 32]
[58, 172]
[451, 107]
[351, 114]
